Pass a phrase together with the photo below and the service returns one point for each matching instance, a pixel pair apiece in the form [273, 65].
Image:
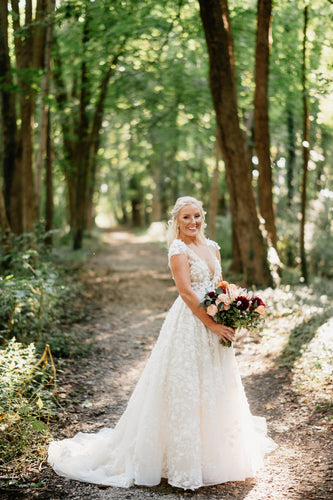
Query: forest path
[128, 293]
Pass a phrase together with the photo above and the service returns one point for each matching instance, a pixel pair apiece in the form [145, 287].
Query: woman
[188, 419]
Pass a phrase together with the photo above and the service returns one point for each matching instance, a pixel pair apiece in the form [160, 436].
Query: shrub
[27, 400]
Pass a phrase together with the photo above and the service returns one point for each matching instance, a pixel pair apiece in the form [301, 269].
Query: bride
[188, 419]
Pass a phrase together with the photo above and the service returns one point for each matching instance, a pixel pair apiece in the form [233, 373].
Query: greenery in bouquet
[233, 306]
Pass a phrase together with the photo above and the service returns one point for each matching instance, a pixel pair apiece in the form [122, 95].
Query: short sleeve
[212, 244]
[177, 247]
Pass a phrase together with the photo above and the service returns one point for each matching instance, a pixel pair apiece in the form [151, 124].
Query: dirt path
[129, 291]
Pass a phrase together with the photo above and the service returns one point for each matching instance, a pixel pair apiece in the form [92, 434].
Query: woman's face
[189, 221]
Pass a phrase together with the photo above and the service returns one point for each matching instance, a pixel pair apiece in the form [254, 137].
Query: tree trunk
[306, 149]
[29, 49]
[12, 198]
[236, 262]
[122, 197]
[214, 195]
[156, 209]
[261, 123]
[27, 109]
[94, 138]
[68, 127]
[44, 107]
[49, 183]
[4, 224]
[81, 139]
[253, 249]
[81, 158]
[5, 233]
[136, 200]
[291, 156]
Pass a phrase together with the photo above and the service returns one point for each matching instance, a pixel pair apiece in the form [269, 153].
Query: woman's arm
[181, 272]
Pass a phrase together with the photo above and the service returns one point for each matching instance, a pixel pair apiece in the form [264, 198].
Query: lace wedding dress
[188, 419]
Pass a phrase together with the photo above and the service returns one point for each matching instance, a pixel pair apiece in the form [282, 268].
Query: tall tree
[86, 93]
[12, 201]
[253, 249]
[305, 147]
[17, 134]
[291, 154]
[49, 183]
[214, 194]
[44, 109]
[261, 122]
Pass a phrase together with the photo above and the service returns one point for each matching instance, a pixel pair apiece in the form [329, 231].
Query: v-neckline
[211, 273]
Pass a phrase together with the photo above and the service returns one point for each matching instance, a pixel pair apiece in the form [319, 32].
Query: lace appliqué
[177, 247]
[201, 277]
[213, 244]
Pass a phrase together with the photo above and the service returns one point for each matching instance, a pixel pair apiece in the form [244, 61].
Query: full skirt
[188, 419]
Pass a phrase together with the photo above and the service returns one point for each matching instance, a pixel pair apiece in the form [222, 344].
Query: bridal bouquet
[233, 306]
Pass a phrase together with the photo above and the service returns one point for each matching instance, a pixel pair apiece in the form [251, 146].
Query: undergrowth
[40, 301]
[27, 401]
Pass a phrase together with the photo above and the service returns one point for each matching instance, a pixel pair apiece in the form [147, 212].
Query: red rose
[242, 303]
[257, 301]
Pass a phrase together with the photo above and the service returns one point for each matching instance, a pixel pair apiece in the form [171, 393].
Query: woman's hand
[225, 332]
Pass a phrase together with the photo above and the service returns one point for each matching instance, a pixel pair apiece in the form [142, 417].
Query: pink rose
[260, 309]
[233, 291]
[212, 310]
[226, 307]
[224, 298]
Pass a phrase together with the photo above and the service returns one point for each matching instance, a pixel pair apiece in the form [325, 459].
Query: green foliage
[30, 304]
[39, 300]
[27, 401]
[319, 236]
[158, 131]
[224, 237]
[26, 306]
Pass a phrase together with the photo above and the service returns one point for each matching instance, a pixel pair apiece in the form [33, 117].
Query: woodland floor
[128, 293]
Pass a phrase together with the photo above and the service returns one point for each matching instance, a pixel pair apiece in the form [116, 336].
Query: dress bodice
[202, 279]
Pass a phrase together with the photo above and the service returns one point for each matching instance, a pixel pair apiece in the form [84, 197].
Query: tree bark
[49, 183]
[306, 149]
[214, 195]
[94, 137]
[81, 150]
[261, 122]
[81, 138]
[11, 173]
[27, 109]
[68, 127]
[29, 48]
[44, 106]
[291, 156]
[4, 224]
[253, 249]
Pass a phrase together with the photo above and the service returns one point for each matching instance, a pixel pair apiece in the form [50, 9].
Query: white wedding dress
[188, 419]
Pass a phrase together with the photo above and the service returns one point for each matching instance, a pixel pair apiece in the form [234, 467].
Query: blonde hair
[173, 229]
